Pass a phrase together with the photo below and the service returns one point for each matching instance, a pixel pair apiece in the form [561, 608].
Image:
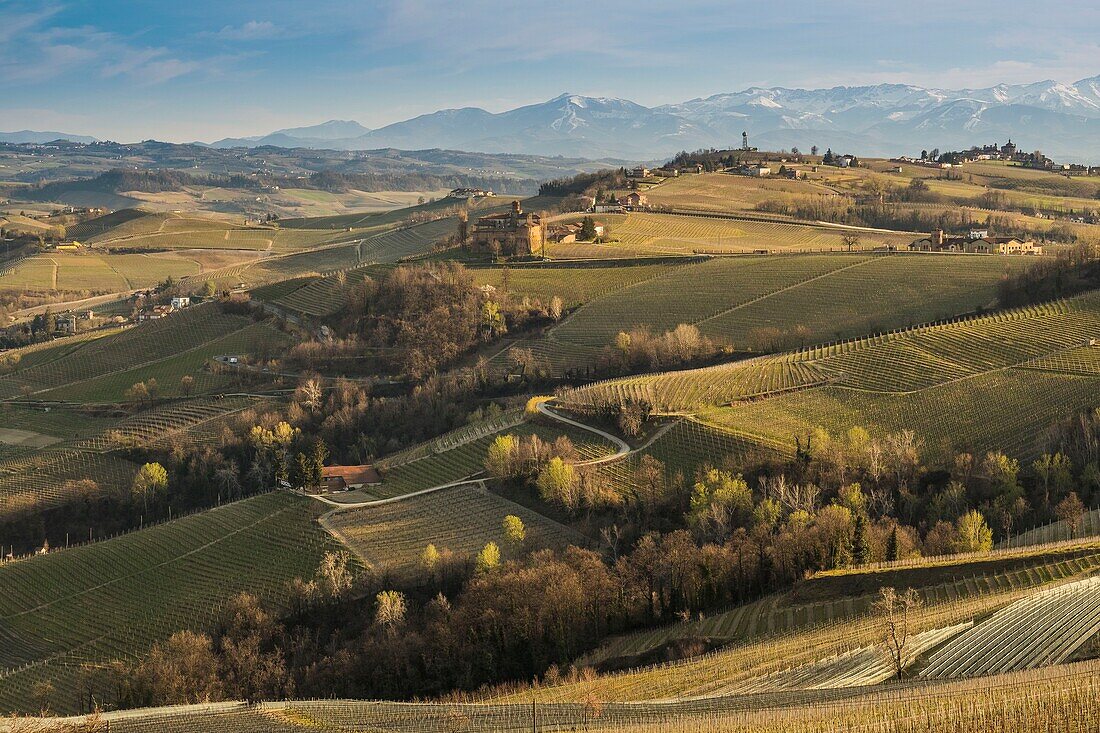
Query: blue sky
[202, 70]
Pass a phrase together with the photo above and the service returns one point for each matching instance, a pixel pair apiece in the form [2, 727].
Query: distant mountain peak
[881, 119]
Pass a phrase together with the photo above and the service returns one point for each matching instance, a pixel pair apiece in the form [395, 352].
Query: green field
[113, 599]
[756, 303]
[647, 233]
[94, 272]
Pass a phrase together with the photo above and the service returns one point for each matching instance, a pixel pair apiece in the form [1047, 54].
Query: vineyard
[468, 458]
[391, 537]
[574, 282]
[39, 479]
[257, 339]
[324, 296]
[101, 369]
[94, 272]
[1061, 698]
[144, 586]
[1043, 629]
[766, 303]
[782, 613]
[994, 382]
[149, 231]
[1007, 411]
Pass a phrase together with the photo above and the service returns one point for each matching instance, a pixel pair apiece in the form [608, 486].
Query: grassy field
[648, 233]
[144, 586]
[95, 272]
[391, 537]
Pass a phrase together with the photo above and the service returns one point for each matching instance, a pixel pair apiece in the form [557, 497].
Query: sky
[184, 70]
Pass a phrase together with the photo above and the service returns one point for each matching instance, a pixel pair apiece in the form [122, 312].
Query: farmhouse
[66, 323]
[512, 233]
[756, 170]
[607, 207]
[342, 478]
[180, 302]
[635, 200]
[567, 233]
[639, 172]
[977, 241]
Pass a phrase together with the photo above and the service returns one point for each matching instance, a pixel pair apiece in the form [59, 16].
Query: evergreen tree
[893, 552]
[860, 545]
[588, 230]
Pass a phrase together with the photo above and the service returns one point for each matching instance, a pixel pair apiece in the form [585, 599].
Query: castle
[512, 233]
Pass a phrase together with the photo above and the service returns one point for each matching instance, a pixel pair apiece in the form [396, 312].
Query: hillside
[657, 480]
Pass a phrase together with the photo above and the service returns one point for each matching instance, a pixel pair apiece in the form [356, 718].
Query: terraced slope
[115, 598]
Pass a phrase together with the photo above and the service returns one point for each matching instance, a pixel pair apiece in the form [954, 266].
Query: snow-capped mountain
[885, 119]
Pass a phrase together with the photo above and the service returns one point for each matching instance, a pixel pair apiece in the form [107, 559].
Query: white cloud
[41, 52]
[253, 30]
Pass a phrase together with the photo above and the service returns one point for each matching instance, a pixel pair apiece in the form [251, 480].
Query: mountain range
[1063, 120]
[37, 137]
[884, 119]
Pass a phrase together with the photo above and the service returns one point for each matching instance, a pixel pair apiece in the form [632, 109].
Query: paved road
[623, 451]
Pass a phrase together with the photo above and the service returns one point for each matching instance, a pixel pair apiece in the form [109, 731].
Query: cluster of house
[633, 201]
[66, 322]
[641, 171]
[1008, 151]
[469, 193]
[567, 233]
[156, 312]
[764, 170]
[977, 241]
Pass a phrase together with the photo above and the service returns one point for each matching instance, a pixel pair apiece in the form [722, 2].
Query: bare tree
[896, 611]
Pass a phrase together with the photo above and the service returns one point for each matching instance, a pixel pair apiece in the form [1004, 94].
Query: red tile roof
[352, 475]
